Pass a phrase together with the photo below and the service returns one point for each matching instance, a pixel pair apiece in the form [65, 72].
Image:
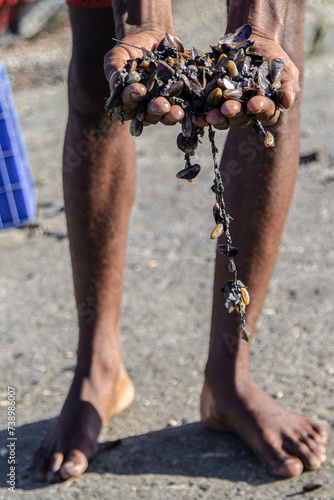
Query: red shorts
[89, 4]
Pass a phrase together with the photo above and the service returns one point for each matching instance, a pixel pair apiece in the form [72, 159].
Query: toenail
[315, 463]
[283, 465]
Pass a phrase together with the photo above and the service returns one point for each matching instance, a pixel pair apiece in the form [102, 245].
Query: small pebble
[152, 263]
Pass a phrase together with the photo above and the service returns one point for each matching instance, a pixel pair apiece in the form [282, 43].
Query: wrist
[135, 16]
[267, 17]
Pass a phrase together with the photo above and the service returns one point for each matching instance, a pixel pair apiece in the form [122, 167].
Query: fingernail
[135, 95]
[293, 96]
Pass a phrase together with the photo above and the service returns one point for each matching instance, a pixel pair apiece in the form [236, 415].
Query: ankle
[226, 372]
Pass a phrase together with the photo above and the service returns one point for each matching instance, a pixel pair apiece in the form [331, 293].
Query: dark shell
[238, 37]
[114, 100]
[164, 70]
[189, 173]
[186, 82]
[311, 487]
[175, 89]
[212, 84]
[234, 94]
[245, 335]
[214, 97]
[263, 83]
[136, 127]
[162, 45]
[174, 42]
[276, 67]
[228, 251]
[228, 288]
[140, 112]
[187, 125]
[231, 266]
[197, 89]
[217, 213]
[196, 53]
[151, 81]
[187, 144]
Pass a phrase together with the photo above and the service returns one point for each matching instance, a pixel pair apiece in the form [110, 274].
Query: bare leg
[99, 186]
[259, 200]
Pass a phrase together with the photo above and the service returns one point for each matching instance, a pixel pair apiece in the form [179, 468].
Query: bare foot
[72, 442]
[285, 441]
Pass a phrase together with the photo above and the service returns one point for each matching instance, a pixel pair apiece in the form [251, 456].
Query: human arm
[142, 23]
[267, 18]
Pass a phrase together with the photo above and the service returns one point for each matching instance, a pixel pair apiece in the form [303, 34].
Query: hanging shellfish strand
[235, 292]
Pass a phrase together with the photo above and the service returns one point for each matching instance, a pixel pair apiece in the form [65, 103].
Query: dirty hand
[232, 114]
[159, 109]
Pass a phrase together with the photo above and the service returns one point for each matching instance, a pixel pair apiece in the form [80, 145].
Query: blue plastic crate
[17, 188]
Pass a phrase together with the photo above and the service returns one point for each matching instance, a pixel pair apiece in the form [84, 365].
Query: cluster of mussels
[200, 82]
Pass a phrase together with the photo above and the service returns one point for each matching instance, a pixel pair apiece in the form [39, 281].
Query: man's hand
[232, 114]
[158, 109]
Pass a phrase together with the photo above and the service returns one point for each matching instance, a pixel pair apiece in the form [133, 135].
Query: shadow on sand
[187, 450]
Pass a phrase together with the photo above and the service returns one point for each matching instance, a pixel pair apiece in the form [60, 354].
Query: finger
[158, 107]
[156, 110]
[290, 87]
[200, 120]
[264, 109]
[238, 119]
[289, 97]
[215, 118]
[231, 108]
[133, 94]
[113, 78]
[175, 115]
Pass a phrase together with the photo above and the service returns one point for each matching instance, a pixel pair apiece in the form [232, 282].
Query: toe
[287, 466]
[306, 449]
[320, 432]
[76, 463]
[55, 464]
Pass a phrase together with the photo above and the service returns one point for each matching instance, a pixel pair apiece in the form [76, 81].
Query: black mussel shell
[162, 45]
[276, 67]
[136, 127]
[235, 94]
[214, 97]
[174, 42]
[187, 144]
[175, 89]
[189, 173]
[114, 100]
[187, 125]
[164, 70]
[227, 250]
